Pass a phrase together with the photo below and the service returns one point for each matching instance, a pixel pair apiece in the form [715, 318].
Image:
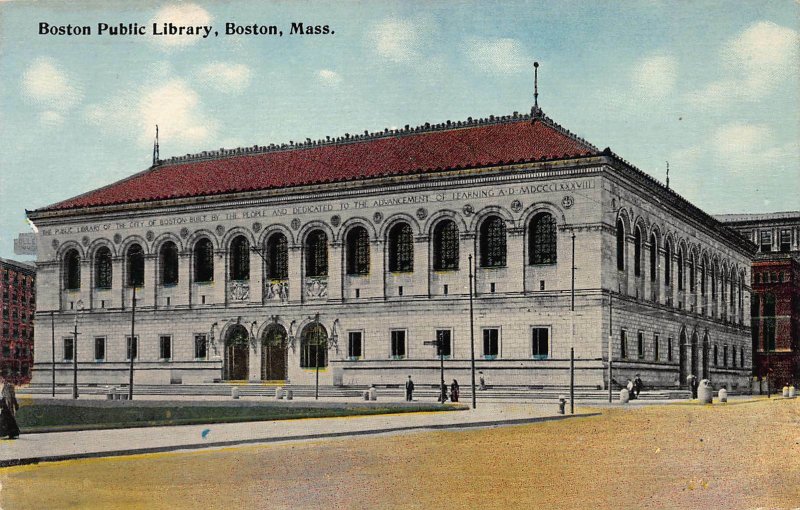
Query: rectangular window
[540, 341]
[200, 344]
[165, 347]
[623, 343]
[655, 347]
[132, 347]
[741, 357]
[766, 241]
[640, 345]
[786, 240]
[100, 348]
[398, 346]
[68, 349]
[491, 343]
[669, 349]
[354, 344]
[445, 346]
[725, 356]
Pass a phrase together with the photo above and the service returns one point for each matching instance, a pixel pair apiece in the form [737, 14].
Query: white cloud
[396, 39]
[179, 14]
[750, 149]
[328, 77]
[173, 105]
[756, 62]
[226, 77]
[50, 89]
[498, 56]
[655, 76]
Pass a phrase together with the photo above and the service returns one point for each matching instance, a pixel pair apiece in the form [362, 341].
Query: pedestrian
[454, 391]
[637, 385]
[8, 410]
[409, 389]
[691, 381]
[482, 382]
[629, 387]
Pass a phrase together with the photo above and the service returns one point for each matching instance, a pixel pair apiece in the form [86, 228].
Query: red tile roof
[471, 144]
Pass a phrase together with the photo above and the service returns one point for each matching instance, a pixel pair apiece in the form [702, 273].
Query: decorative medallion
[150, 236]
[336, 220]
[567, 201]
[55, 243]
[85, 240]
[516, 205]
[184, 233]
[422, 213]
[220, 230]
[295, 223]
[117, 238]
[468, 210]
[377, 217]
[256, 227]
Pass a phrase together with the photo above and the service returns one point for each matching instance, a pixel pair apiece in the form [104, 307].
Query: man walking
[409, 389]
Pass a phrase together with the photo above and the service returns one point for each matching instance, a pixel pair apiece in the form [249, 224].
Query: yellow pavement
[738, 455]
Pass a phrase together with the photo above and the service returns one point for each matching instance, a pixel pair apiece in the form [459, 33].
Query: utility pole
[133, 343]
[75, 358]
[610, 342]
[572, 349]
[53, 339]
[471, 333]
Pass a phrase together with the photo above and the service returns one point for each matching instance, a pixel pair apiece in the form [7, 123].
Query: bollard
[791, 392]
[624, 396]
[723, 395]
[785, 392]
[562, 403]
[235, 393]
[289, 394]
[279, 393]
[705, 392]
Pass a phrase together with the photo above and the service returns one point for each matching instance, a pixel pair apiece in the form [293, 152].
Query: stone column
[515, 259]
[295, 274]
[256, 277]
[146, 296]
[183, 290]
[254, 365]
[118, 282]
[335, 271]
[86, 284]
[377, 256]
[466, 248]
[219, 294]
[422, 266]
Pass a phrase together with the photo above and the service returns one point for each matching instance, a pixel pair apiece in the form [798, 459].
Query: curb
[218, 444]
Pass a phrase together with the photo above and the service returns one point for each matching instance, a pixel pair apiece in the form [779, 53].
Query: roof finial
[667, 174]
[536, 85]
[155, 148]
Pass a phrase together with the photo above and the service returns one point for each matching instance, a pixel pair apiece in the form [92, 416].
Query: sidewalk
[47, 447]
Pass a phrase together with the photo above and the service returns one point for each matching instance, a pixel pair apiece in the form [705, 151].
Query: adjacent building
[775, 303]
[18, 291]
[346, 258]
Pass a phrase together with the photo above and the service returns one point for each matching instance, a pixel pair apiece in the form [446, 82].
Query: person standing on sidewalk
[8, 410]
[409, 389]
[454, 391]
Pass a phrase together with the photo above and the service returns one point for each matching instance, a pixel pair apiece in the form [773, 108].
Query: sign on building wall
[25, 244]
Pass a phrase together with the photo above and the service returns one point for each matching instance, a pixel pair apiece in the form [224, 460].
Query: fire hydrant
[562, 404]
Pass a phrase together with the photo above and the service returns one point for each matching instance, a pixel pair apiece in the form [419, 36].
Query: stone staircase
[422, 391]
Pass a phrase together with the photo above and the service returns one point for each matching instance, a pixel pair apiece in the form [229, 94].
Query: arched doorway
[695, 357]
[236, 354]
[314, 346]
[274, 354]
[683, 347]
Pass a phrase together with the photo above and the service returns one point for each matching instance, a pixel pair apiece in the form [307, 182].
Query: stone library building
[352, 259]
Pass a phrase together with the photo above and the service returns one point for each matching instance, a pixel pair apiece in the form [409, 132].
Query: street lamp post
[53, 340]
[132, 344]
[78, 308]
[471, 333]
[439, 343]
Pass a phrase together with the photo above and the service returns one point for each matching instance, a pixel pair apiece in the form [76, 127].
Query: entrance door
[273, 354]
[682, 357]
[695, 357]
[237, 354]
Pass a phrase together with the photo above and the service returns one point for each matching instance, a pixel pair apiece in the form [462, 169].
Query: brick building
[348, 254]
[18, 291]
[775, 305]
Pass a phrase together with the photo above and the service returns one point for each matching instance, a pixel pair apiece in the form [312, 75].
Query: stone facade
[18, 294]
[527, 315]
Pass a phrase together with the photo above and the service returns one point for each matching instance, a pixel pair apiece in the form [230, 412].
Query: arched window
[493, 242]
[240, 258]
[680, 268]
[733, 290]
[317, 253]
[620, 245]
[168, 260]
[714, 280]
[135, 263]
[102, 268]
[542, 239]
[72, 270]
[277, 257]
[445, 246]
[692, 275]
[703, 266]
[358, 251]
[653, 257]
[668, 264]
[314, 346]
[401, 248]
[637, 252]
[204, 260]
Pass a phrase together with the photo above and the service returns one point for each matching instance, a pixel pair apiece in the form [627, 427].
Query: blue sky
[710, 86]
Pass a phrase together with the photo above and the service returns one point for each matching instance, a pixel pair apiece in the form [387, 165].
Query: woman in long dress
[8, 410]
[454, 390]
